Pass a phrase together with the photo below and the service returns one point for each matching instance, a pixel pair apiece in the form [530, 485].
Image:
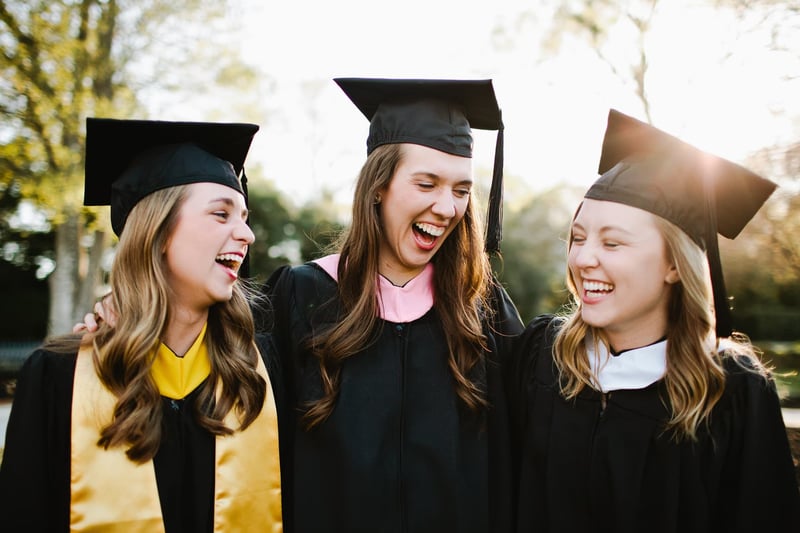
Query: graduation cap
[702, 194]
[439, 114]
[128, 159]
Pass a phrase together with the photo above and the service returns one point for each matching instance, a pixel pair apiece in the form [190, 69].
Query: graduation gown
[586, 466]
[398, 453]
[35, 471]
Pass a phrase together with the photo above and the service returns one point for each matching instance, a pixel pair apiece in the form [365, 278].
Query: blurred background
[721, 74]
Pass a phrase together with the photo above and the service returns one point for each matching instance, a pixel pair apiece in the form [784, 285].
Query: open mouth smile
[231, 261]
[595, 289]
[427, 234]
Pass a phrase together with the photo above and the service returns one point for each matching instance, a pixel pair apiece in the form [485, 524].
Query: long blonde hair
[695, 377]
[124, 354]
[461, 279]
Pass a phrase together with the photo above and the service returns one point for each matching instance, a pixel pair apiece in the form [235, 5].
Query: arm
[276, 347]
[758, 480]
[34, 476]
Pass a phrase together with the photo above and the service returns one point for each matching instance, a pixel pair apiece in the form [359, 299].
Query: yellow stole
[110, 493]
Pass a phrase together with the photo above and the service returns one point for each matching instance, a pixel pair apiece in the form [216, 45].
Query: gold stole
[110, 493]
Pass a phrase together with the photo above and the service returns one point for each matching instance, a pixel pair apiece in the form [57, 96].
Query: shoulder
[535, 344]
[288, 276]
[45, 378]
[299, 291]
[749, 386]
[46, 362]
[744, 371]
[504, 314]
[541, 330]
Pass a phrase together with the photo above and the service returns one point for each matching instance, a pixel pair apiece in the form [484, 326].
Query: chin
[594, 321]
[221, 297]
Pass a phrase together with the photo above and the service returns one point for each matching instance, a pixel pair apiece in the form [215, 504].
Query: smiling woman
[641, 409]
[165, 420]
[420, 207]
[391, 345]
[207, 246]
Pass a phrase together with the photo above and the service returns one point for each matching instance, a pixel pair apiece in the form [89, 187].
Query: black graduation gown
[398, 453]
[35, 470]
[583, 467]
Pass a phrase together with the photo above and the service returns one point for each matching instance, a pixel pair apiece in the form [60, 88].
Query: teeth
[430, 229]
[596, 286]
[231, 260]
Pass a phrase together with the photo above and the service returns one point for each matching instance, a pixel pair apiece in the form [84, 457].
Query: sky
[711, 84]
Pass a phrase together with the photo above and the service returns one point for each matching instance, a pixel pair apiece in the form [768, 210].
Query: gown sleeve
[276, 345]
[34, 475]
[505, 324]
[520, 367]
[759, 491]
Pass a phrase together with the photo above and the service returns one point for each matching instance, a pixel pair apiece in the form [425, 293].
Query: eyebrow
[437, 177]
[604, 229]
[230, 203]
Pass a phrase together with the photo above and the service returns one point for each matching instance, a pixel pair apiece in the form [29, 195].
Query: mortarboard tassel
[494, 217]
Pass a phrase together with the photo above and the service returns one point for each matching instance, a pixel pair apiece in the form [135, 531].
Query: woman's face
[426, 198]
[207, 245]
[618, 261]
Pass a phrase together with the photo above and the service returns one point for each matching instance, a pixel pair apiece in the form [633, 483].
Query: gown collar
[176, 376]
[631, 369]
[397, 304]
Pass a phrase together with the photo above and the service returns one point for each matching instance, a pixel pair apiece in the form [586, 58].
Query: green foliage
[318, 227]
[269, 220]
[284, 234]
[534, 252]
[784, 359]
[64, 60]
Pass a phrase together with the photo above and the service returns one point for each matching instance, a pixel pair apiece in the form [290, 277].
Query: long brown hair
[461, 277]
[695, 378]
[124, 354]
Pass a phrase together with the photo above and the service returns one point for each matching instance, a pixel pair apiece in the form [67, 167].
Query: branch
[31, 46]
[34, 122]
[103, 81]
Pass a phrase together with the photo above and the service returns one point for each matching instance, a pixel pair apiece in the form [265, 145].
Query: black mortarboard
[128, 159]
[702, 194]
[439, 114]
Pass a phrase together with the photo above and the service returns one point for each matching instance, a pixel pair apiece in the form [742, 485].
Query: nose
[243, 233]
[444, 205]
[583, 256]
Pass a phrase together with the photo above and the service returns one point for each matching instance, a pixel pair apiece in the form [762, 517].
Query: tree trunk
[91, 278]
[63, 280]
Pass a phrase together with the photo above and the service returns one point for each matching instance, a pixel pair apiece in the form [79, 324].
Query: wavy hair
[461, 280]
[695, 377]
[124, 354]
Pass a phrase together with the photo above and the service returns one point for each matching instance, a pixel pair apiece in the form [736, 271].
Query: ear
[672, 276]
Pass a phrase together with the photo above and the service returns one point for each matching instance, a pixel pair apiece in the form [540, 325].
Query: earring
[377, 199]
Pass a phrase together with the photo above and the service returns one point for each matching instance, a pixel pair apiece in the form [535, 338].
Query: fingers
[92, 321]
[104, 310]
[99, 311]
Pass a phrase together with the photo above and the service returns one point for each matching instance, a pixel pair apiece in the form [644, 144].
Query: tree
[271, 222]
[64, 60]
[319, 225]
[534, 251]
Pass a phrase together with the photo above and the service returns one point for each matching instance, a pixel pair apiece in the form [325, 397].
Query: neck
[399, 278]
[183, 329]
[621, 342]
